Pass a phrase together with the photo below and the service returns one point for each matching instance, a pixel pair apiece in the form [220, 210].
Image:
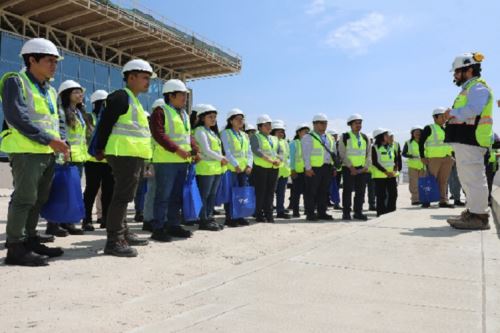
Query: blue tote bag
[191, 198]
[242, 202]
[428, 189]
[65, 204]
[224, 190]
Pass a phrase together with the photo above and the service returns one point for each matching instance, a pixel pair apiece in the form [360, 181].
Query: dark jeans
[140, 195]
[357, 184]
[454, 183]
[264, 180]
[317, 189]
[490, 176]
[280, 194]
[370, 185]
[298, 184]
[32, 177]
[170, 179]
[97, 175]
[237, 179]
[387, 194]
[208, 186]
[126, 173]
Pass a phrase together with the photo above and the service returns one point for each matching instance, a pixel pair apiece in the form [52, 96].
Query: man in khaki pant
[416, 168]
[436, 155]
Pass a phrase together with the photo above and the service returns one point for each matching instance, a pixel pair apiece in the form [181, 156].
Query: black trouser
[356, 183]
[387, 193]
[126, 173]
[317, 189]
[97, 175]
[371, 190]
[264, 180]
[490, 176]
[298, 184]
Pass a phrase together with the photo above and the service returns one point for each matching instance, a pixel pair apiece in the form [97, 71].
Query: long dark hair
[379, 139]
[69, 115]
[201, 123]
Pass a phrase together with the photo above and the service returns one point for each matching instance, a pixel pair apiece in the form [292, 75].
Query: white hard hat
[250, 127]
[332, 132]
[354, 117]
[206, 108]
[466, 59]
[379, 131]
[234, 112]
[263, 119]
[198, 107]
[278, 124]
[320, 117]
[157, 103]
[439, 110]
[302, 126]
[98, 95]
[138, 65]
[69, 84]
[174, 85]
[40, 45]
[416, 127]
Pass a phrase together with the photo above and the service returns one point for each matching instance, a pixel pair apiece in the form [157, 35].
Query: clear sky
[387, 60]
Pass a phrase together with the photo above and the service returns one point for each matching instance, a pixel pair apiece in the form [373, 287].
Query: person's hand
[99, 155]
[293, 174]
[277, 162]
[59, 146]
[334, 173]
[182, 153]
[389, 174]
[353, 170]
[197, 158]
[223, 162]
[238, 169]
[309, 173]
[248, 170]
[364, 170]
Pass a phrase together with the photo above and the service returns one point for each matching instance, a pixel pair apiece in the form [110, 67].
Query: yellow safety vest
[318, 151]
[484, 125]
[77, 141]
[285, 170]
[42, 111]
[207, 166]
[267, 149]
[179, 131]
[299, 159]
[355, 152]
[386, 159]
[239, 146]
[434, 144]
[414, 162]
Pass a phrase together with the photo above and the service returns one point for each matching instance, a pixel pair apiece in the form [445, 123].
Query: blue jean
[140, 194]
[208, 186]
[170, 179]
[237, 180]
[149, 200]
[280, 194]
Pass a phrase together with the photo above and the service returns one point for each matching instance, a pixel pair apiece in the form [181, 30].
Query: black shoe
[210, 226]
[43, 238]
[416, 203]
[325, 217]
[102, 223]
[188, 223]
[217, 212]
[18, 254]
[270, 219]
[139, 217]
[372, 208]
[260, 219]
[445, 205]
[426, 205]
[337, 206]
[361, 217]
[178, 231]
[312, 218]
[119, 248]
[296, 214]
[134, 240]
[147, 226]
[285, 216]
[33, 244]
[161, 235]
[72, 229]
[459, 203]
[346, 217]
[232, 223]
[55, 230]
[243, 222]
[87, 226]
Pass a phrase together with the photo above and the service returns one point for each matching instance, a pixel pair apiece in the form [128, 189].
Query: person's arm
[368, 153]
[343, 152]
[399, 160]
[204, 143]
[195, 149]
[375, 162]
[254, 144]
[157, 125]
[423, 137]
[307, 147]
[249, 153]
[16, 113]
[116, 105]
[62, 124]
[405, 151]
[227, 149]
[476, 101]
[292, 154]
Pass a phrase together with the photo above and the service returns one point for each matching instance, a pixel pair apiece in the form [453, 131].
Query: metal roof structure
[110, 32]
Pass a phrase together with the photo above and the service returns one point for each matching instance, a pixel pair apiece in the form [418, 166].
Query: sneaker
[325, 217]
[18, 254]
[346, 217]
[426, 205]
[134, 240]
[361, 217]
[283, 216]
[139, 217]
[72, 229]
[472, 222]
[119, 248]
[161, 235]
[459, 218]
[336, 206]
[459, 203]
[33, 244]
[55, 230]
[147, 226]
[210, 226]
[178, 231]
[445, 205]
[415, 203]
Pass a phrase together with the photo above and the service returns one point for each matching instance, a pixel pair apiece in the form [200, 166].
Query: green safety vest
[386, 159]
[415, 161]
[318, 151]
[178, 130]
[299, 159]
[434, 144]
[77, 141]
[130, 135]
[484, 127]
[40, 114]
[268, 150]
[239, 148]
[356, 153]
[285, 170]
[208, 166]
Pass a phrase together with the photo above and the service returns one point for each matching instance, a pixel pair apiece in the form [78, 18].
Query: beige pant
[414, 175]
[440, 167]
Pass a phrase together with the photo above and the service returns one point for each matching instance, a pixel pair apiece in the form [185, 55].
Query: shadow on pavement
[434, 232]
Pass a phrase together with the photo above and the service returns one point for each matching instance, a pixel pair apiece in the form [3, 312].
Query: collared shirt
[229, 154]
[476, 100]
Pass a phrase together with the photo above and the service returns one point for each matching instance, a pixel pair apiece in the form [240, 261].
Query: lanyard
[270, 141]
[358, 136]
[46, 96]
[79, 116]
[389, 151]
[238, 136]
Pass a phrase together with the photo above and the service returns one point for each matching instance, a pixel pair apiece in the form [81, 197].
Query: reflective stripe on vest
[434, 145]
[385, 158]
[354, 152]
[284, 171]
[414, 162]
[208, 166]
[268, 150]
[318, 152]
[483, 122]
[299, 159]
[42, 111]
[77, 141]
[239, 149]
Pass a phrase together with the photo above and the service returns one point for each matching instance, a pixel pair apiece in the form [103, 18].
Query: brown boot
[459, 218]
[473, 222]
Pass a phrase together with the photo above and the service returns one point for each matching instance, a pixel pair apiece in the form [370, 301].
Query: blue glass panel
[101, 76]
[70, 65]
[116, 79]
[10, 48]
[89, 89]
[9, 67]
[86, 69]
